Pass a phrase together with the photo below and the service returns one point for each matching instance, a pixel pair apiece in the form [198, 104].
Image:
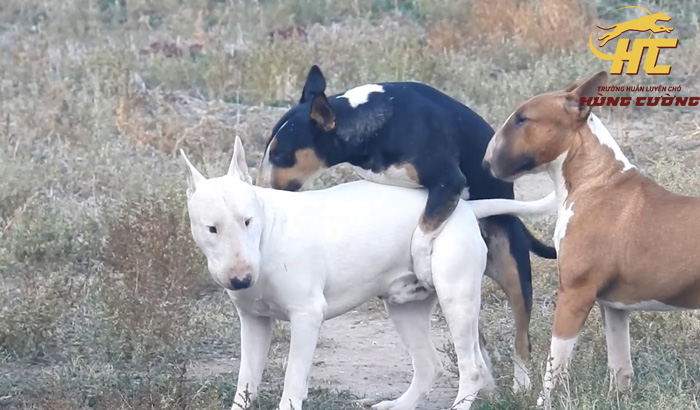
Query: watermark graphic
[633, 56]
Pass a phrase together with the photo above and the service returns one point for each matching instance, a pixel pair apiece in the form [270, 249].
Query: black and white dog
[412, 135]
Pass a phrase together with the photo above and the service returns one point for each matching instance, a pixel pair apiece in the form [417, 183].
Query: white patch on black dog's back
[360, 95]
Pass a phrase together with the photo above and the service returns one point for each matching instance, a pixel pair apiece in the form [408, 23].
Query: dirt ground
[361, 352]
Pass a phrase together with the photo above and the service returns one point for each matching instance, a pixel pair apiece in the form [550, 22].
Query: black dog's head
[292, 156]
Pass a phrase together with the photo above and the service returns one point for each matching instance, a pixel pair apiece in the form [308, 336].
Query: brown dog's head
[539, 131]
[292, 154]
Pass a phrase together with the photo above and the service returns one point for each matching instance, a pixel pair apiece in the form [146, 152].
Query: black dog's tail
[539, 248]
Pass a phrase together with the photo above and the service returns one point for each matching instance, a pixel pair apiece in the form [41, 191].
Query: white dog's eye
[212, 229]
[247, 221]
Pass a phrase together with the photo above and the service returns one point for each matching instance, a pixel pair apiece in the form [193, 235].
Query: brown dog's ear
[586, 89]
[575, 85]
[322, 113]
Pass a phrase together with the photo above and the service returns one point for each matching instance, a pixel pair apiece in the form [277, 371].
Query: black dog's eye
[520, 120]
[277, 155]
[247, 221]
[282, 159]
[212, 229]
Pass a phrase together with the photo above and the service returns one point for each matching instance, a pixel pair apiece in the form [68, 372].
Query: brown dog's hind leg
[617, 337]
[503, 268]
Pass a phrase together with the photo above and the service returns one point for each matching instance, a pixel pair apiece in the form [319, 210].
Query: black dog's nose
[486, 165]
[237, 284]
[293, 186]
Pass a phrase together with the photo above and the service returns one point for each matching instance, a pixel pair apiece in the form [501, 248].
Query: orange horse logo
[633, 56]
[641, 24]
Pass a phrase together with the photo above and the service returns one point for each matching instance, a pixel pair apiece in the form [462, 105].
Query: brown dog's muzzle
[507, 168]
[487, 163]
[503, 164]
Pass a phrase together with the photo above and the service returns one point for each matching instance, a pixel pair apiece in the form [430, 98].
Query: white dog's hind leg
[412, 321]
[421, 253]
[305, 327]
[484, 350]
[457, 272]
[256, 332]
[421, 250]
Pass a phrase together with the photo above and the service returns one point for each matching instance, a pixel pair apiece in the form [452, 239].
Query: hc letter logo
[633, 55]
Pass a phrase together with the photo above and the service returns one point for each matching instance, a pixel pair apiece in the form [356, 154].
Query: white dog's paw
[242, 401]
[521, 384]
[289, 404]
[490, 388]
[421, 252]
[392, 405]
[461, 406]
[521, 380]
[541, 401]
[241, 405]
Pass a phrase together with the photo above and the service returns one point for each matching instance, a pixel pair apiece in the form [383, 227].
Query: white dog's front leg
[305, 327]
[256, 333]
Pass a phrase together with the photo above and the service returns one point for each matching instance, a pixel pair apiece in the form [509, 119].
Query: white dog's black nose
[244, 283]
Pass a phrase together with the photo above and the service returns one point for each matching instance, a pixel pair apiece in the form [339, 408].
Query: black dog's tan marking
[306, 164]
[411, 172]
[322, 114]
[436, 215]
[408, 134]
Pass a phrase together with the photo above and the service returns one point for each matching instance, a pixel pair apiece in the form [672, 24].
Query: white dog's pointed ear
[194, 177]
[238, 167]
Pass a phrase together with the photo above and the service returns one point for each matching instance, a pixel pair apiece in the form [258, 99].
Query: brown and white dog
[617, 233]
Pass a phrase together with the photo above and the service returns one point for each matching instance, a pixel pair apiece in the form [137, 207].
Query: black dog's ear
[322, 113]
[315, 85]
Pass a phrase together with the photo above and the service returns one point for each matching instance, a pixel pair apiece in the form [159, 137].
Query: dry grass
[540, 27]
[104, 300]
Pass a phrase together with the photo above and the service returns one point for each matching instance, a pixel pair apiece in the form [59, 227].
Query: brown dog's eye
[247, 221]
[212, 229]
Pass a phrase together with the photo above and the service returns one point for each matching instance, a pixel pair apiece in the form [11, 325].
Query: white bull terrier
[310, 256]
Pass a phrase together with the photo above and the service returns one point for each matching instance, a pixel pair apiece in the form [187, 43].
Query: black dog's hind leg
[443, 197]
[509, 265]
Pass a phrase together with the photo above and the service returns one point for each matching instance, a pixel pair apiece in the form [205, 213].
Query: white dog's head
[226, 218]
